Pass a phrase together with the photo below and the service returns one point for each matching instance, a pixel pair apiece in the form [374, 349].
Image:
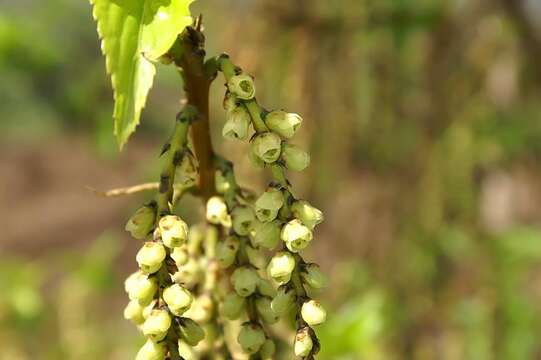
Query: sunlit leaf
[134, 33]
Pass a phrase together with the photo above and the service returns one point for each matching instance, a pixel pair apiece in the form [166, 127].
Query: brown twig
[128, 190]
[189, 55]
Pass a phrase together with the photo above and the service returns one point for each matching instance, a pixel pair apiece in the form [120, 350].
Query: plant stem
[174, 148]
[189, 55]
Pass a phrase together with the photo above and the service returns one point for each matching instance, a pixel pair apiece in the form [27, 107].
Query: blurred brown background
[423, 118]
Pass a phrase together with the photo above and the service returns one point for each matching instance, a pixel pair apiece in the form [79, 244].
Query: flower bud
[242, 86]
[244, 281]
[237, 124]
[268, 204]
[221, 183]
[283, 301]
[157, 324]
[188, 274]
[180, 255]
[230, 101]
[281, 266]
[267, 350]
[152, 351]
[143, 289]
[255, 257]
[191, 332]
[216, 210]
[283, 123]
[243, 219]
[251, 337]
[263, 307]
[196, 235]
[313, 313]
[177, 298]
[131, 280]
[267, 147]
[226, 251]
[173, 230]
[266, 234]
[314, 277]
[150, 257]
[134, 312]
[142, 222]
[295, 158]
[255, 161]
[227, 222]
[283, 280]
[202, 309]
[186, 351]
[147, 310]
[306, 213]
[303, 342]
[264, 287]
[296, 235]
[233, 306]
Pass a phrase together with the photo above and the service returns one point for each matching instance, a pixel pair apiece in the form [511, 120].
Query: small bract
[142, 222]
[191, 332]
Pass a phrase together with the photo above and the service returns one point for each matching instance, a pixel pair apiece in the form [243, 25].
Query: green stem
[229, 70]
[174, 147]
[279, 175]
[226, 66]
[255, 113]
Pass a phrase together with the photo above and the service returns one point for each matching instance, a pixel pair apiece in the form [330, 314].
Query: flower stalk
[277, 154]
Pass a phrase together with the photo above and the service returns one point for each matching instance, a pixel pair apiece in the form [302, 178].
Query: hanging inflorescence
[158, 300]
[244, 266]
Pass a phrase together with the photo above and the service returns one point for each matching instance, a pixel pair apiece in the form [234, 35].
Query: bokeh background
[423, 118]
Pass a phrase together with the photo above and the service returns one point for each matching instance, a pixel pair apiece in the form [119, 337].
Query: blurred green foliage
[424, 121]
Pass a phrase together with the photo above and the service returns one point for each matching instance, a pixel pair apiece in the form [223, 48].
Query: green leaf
[134, 33]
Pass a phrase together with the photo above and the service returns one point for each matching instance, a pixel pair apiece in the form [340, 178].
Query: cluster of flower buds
[270, 145]
[275, 221]
[158, 302]
[176, 296]
[159, 292]
[250, 295]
